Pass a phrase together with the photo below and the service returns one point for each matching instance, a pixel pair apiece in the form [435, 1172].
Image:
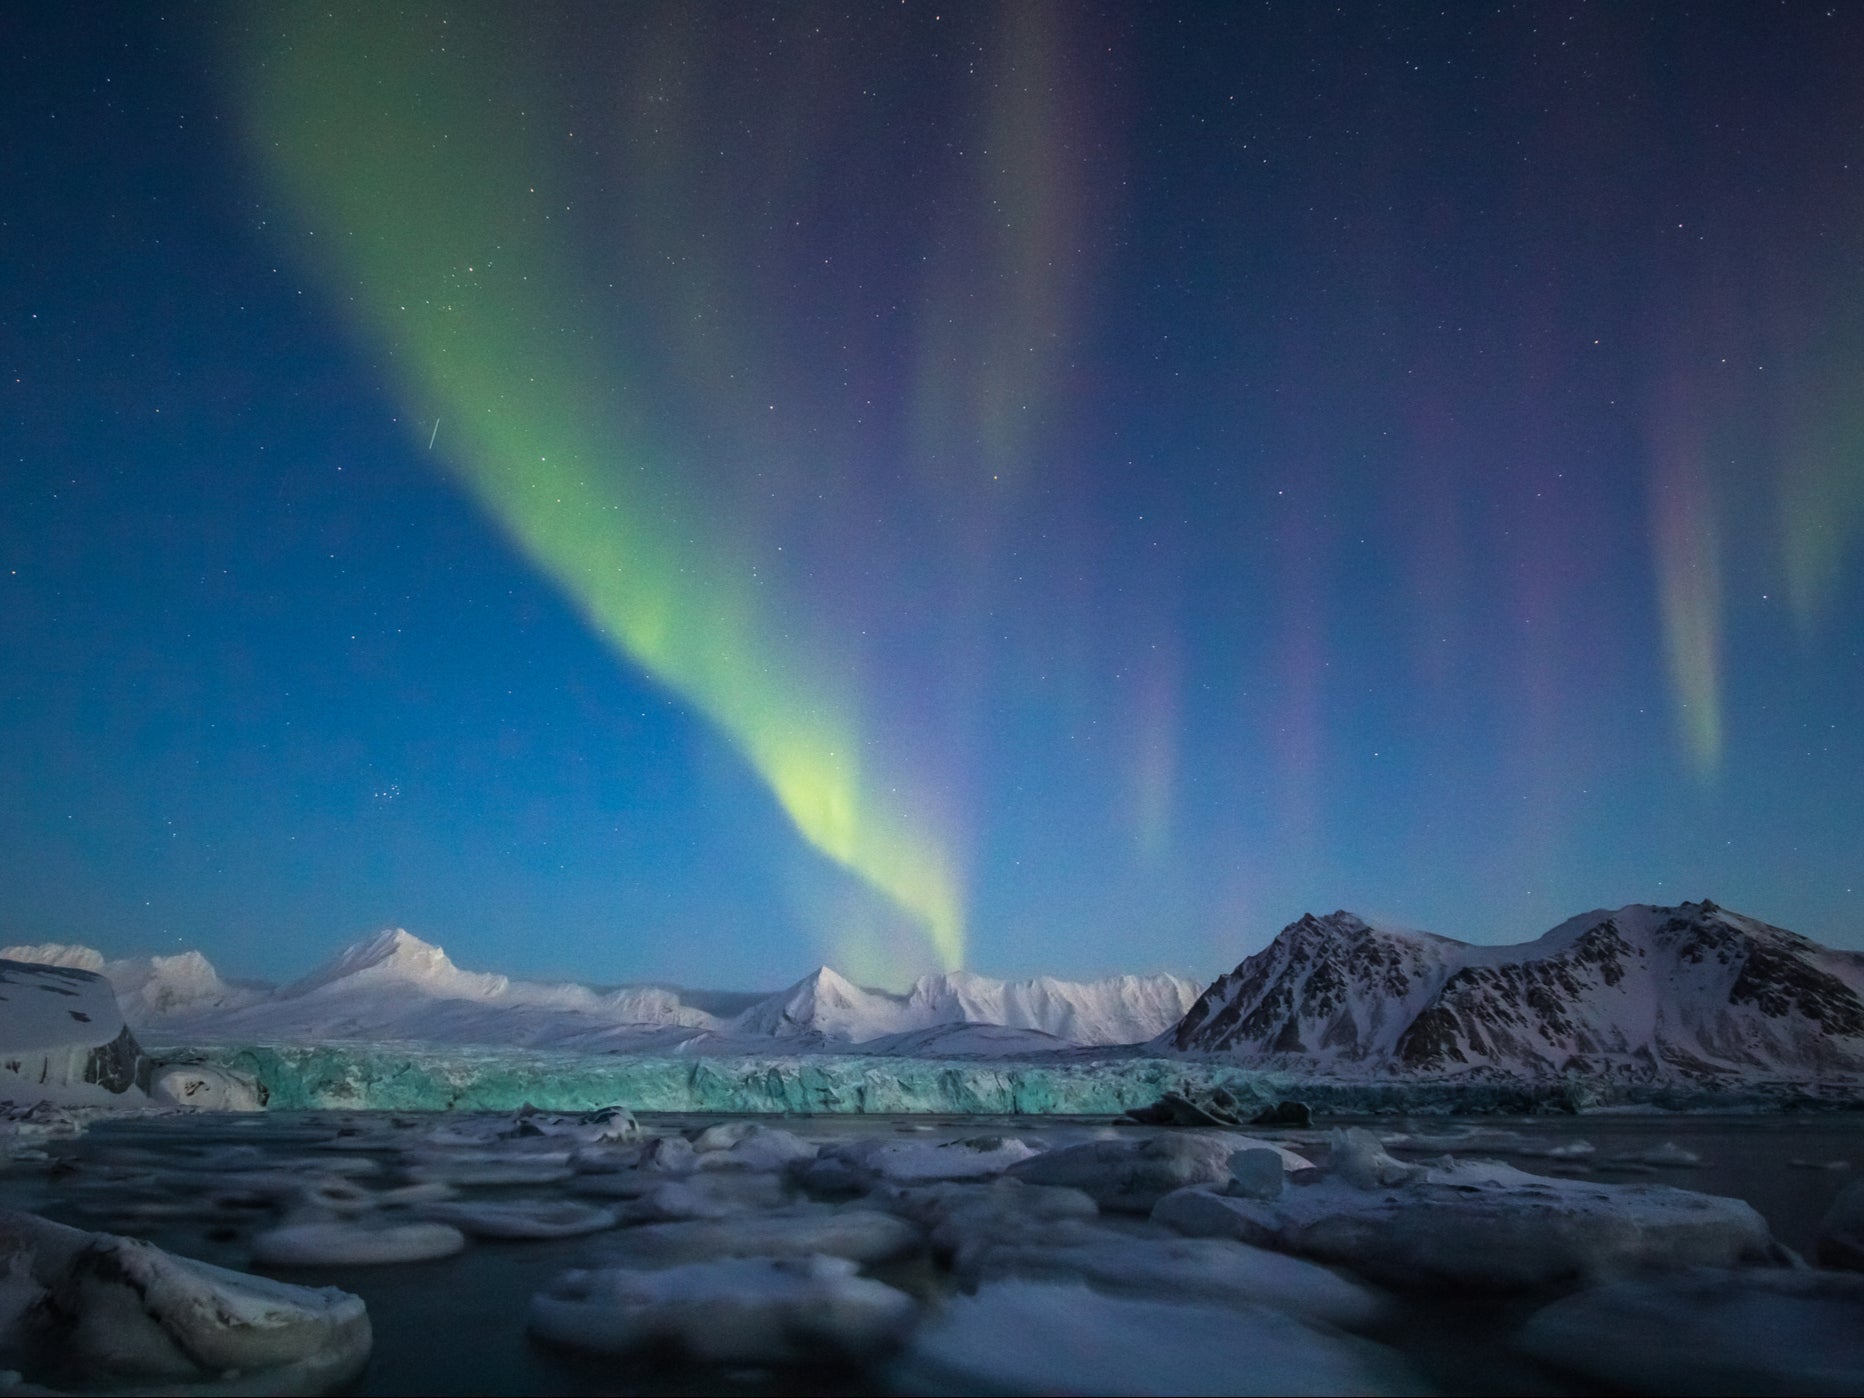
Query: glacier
[411, 1077]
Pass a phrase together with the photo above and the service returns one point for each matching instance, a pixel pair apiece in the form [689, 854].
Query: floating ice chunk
[1359, 1158]
[63, 1039]
[735, 1311]
[965, 1221]
[860, 1235]
[1563, 1150]
[354, 1244]
[1841, 1232]
[1760, 1330]
[706, 1196]
[207, 1089]
[673, 1155]
[1257, 1173]
[1486, 1226]
[1671, 1155]
[1129, 1176]
[470, 1169]
[1191, 1269]
[1200, 1213]
[124, 1313]
[604, 1125]
[39, 1122]
[1048, 1337]
[723, 1136]
[750, 1147]
[915, 1162]
[523, 1218]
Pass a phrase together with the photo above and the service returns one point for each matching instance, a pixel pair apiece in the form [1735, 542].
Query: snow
[396, 987]
[1119, 1010]
[735, 1311]
[148, 988]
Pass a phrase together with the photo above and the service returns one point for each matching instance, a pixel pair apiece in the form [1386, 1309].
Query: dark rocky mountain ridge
[1692, 991]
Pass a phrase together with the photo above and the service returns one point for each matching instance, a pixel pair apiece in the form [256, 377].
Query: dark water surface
[458, 1325]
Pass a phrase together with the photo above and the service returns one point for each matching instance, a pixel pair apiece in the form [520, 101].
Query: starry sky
[689, 492]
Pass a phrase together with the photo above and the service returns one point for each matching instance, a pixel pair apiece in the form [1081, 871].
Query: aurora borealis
[687, 492]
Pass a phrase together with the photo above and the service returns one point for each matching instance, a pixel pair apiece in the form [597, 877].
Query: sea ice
[917, 1162]
[731, 1311]
[1484, 1226]
[483, 1169]
[207, 1089]
[747, 1145]
[1130, 1176]
[522, 1218]
[1207, 1270]
[121, 1313]
[354, 1244]
[1757, 1330]
[707, 1196]
[1359, 1158]
[860, 1235]
[1257, 1173]
[1049, 1337]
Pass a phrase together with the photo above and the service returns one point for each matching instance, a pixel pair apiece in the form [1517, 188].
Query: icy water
[458, 1325]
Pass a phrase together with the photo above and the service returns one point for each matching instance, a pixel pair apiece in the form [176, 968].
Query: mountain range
[395, 986]
[1688, 992]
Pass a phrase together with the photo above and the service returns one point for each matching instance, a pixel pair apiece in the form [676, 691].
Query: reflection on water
[457, 1325]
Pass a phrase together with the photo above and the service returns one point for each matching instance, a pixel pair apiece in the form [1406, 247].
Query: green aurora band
[415, 157]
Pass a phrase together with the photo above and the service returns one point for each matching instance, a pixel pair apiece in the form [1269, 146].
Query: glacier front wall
[401, 1077]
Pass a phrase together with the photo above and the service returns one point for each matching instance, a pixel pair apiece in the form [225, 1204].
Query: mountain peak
[393, 954]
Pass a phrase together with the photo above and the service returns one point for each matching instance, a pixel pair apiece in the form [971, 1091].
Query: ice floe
[1480, 1226]
[1130, 1176]
[968, 1158]
[206, 1088]
[522, 1218]
[731, 1311]
[1189, 1270]
[860, 1235]
[337, 1244]
[117, 1312]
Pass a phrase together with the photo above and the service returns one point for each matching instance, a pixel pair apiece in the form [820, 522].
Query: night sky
[672, 492]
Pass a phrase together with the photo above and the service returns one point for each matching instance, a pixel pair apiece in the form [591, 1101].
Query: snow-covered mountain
[1692, 991]
[1118, 1010]
[148, 988]
[394, 986]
